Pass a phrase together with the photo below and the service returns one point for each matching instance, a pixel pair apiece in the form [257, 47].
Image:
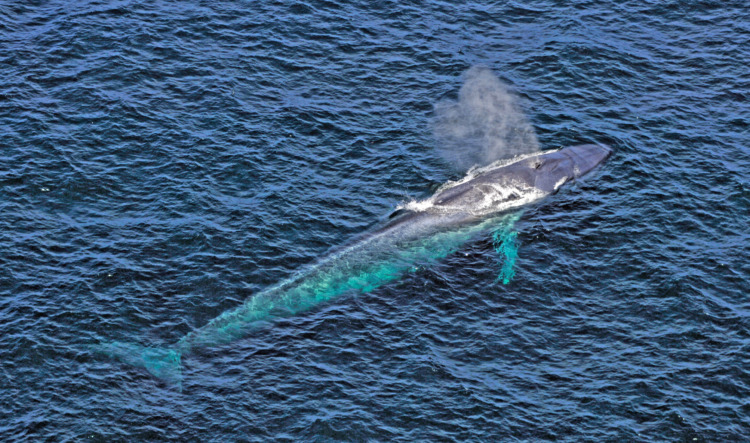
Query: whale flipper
[504, 242]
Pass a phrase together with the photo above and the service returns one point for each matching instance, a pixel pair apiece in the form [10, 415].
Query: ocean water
[161, 162]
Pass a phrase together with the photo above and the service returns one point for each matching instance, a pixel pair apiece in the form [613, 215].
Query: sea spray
[484, 124]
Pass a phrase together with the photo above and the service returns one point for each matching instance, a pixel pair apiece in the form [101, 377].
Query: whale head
[522, 182]
[552, 169]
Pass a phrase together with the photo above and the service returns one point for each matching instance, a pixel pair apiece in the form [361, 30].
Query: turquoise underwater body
[504, 242]
[359, 268]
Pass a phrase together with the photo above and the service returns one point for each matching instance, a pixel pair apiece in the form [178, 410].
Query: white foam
[560, 183]
[495, 198]
[417, 205]
[494, 201]
[479, 170]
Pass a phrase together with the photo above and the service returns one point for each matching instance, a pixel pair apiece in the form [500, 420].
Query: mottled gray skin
[543, 174]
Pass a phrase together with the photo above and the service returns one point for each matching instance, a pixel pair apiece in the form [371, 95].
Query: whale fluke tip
[163, 363]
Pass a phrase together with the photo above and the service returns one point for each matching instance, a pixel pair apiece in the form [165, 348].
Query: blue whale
[417, 234]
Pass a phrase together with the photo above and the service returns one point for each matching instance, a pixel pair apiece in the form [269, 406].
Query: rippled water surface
[161, 162]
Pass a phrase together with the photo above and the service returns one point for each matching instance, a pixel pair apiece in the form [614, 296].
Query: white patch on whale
[489, 203]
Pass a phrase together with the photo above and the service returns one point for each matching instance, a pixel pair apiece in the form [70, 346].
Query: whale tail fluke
[163, 363]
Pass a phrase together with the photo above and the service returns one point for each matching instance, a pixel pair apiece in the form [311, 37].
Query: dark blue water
[162, 161]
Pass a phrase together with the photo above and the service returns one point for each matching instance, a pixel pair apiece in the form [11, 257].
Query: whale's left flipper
[163, 363]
